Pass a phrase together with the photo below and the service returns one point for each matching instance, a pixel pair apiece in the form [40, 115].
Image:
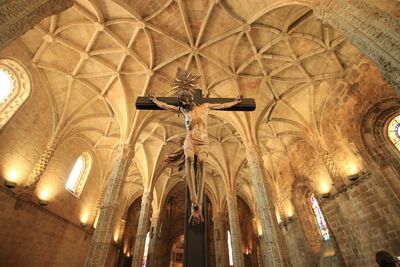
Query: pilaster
[273, 256]
[41, 164]
[219, 240]
[144, 221]
[102, 237]
[231, 200]
[154, 234]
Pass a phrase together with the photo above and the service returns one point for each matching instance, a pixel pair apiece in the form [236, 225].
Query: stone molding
[19, 16]
[103, 235]
[375, 33]
[21, 89]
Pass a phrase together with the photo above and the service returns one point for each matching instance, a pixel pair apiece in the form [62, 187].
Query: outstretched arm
[225, 105]
[163, 105]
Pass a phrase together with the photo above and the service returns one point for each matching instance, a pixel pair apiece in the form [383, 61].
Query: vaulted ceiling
[100, 55]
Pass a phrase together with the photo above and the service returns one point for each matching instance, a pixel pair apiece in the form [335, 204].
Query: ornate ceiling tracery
[100, 55]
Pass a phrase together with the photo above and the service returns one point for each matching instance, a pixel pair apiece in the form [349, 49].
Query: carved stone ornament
[21, 88]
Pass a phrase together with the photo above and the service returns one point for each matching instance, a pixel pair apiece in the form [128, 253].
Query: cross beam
[247, 104]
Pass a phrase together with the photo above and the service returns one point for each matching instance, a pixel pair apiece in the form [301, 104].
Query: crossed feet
[196, 216]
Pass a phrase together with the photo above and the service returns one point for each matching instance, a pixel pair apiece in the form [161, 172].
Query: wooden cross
[247, 104]
[196, 245]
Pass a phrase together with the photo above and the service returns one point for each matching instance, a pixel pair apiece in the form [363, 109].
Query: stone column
[273, 255]
[102, 237]
[154, 231]
[261, 252]
[237, 254]
[219, 240]
[19, 16]
[374, 32]
[41, 165]
[142, 230]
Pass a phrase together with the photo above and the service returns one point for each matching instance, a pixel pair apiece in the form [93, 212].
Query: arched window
[15, 87]
[79, 174]
[230, 249]
[323, 228]
[394, 131]
[146, 249]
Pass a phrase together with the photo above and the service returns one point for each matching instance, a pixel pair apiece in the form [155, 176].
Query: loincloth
[189, 146]
[195, 146]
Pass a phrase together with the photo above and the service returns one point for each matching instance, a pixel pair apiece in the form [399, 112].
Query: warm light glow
[352, 168]
[85, 217]
[258, 226]
[289, 210]
[325, 185]
[44, 194]
[6, 85]
[96, 220]
[12, 176]
[116, 235]
[278, 217]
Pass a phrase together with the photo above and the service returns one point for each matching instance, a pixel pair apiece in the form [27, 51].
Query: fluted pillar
[142, 230]
[270, 240]
[19, 16]
[219, 240]
[41, 164]
[374, 32]
[102, 237]
[154, 231]
[237, 254]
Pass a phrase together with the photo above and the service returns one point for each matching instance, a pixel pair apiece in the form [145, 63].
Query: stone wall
[364, 219]
[33, 236]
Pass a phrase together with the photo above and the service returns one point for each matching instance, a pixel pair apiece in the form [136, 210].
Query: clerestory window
[230, 253]
[79, 174]
[322, 226]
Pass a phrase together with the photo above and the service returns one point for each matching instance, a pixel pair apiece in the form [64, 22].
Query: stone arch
[378, 149]
[301, 192]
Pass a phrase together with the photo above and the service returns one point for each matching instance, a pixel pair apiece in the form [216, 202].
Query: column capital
[125, 151]
[147, 195]
[253, 154]
[218, 216]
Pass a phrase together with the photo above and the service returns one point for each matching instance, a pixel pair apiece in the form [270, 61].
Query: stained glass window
[394, 131]
[323, 228]
[79, 174]
[230, 249]
[146, 250]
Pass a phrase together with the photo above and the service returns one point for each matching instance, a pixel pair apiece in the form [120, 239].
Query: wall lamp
[355, 177]
[43, 202]
[10, 184]
[325, 195]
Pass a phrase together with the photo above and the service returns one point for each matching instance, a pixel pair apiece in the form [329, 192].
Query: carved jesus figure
[195, 146]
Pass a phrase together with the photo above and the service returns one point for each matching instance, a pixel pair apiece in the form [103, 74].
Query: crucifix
[194, 148]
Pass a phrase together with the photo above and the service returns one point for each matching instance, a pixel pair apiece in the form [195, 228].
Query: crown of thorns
[185, 82]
